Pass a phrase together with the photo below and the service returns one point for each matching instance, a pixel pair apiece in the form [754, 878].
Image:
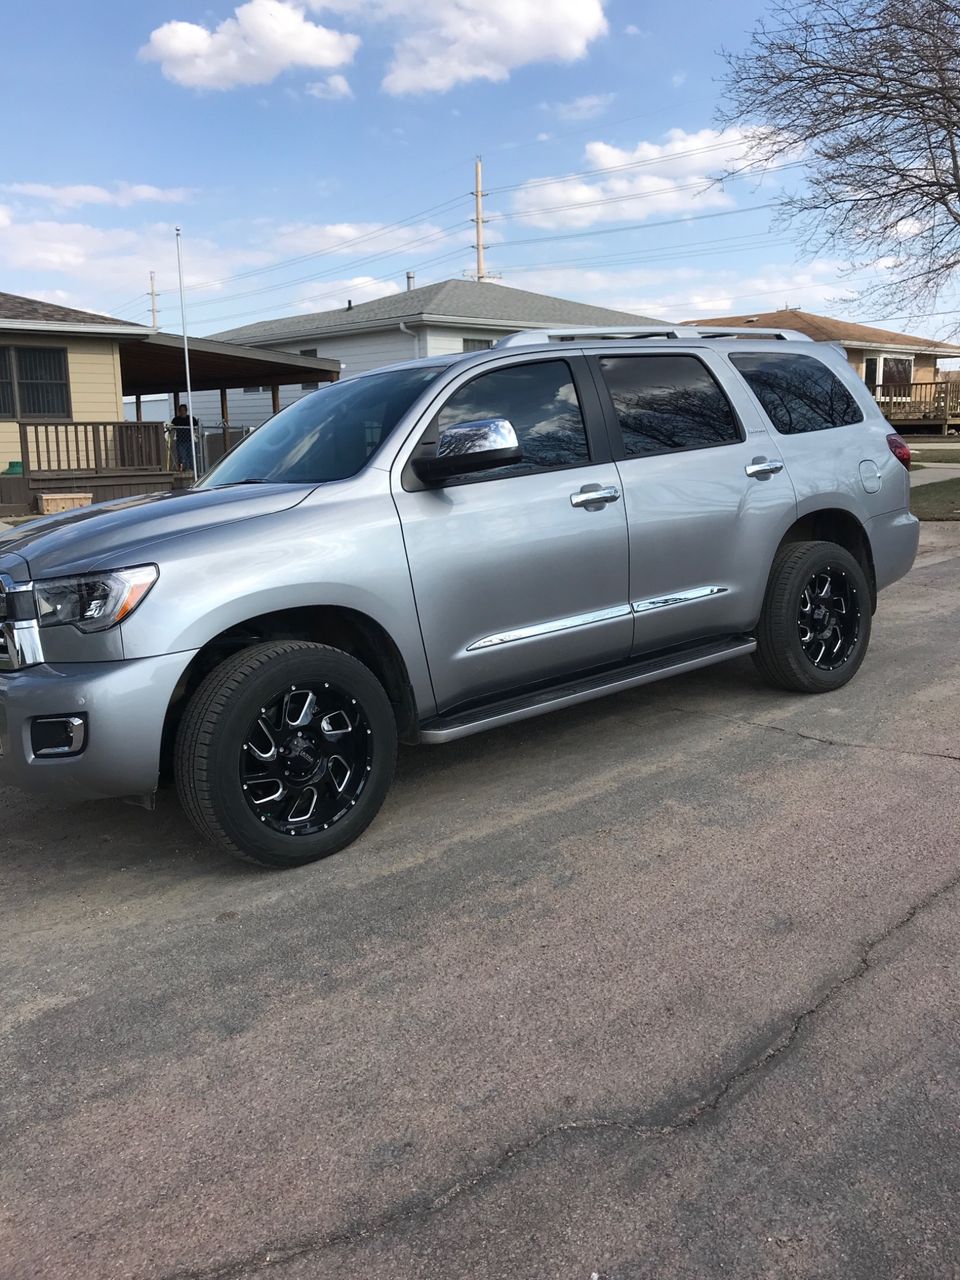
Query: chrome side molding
[681, 597]
[549, 628]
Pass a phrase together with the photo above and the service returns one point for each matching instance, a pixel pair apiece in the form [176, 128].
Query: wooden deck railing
[919, 401]
[93, 448]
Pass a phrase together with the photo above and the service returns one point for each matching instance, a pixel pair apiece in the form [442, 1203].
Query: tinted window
[667, 402]
[42, 386]
[799, 393]
[541, 402]
[328, 435]
[6, 385]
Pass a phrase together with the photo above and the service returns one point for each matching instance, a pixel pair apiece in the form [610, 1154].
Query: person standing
[181, 437]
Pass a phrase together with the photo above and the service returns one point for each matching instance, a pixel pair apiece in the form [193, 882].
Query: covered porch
[108, 460]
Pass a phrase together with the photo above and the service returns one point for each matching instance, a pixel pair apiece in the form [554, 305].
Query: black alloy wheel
[828, 619]
[815, 624]
[286, 752]
[305, 759]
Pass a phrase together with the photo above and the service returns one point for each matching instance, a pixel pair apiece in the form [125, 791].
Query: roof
[154, 365]
[482, 302]
[826, 329]
[34, 311]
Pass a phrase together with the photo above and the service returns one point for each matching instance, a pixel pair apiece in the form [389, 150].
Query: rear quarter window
[799, 393]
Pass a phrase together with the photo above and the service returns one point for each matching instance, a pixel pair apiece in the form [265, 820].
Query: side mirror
[468, 446]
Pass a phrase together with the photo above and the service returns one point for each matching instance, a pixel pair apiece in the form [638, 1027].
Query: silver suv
[446, 546]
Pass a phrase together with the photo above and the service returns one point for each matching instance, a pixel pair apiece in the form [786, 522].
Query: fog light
[58, 735]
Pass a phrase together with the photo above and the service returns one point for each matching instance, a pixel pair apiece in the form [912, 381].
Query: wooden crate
[50, 503]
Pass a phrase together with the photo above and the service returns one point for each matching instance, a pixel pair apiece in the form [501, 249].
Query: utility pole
[186, 360]
[153, 298]
[478, 196]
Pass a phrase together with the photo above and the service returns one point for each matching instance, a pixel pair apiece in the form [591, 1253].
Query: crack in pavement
[813, 737]
[686, 1118]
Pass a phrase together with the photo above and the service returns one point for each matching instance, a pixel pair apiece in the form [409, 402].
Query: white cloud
[261, 40]
[101, 263]
[684, 293]
[334, 294]
[330, 89]
[650, 179]
[588, 107]
[454, 41]
[436, 43]
[121, 194]
[633, 30]
[678, 78]
[361, 238]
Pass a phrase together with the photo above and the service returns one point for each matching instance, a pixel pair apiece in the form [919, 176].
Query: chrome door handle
[594, 496]
[760, 468]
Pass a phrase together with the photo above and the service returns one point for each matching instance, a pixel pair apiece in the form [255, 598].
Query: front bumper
[124, 705]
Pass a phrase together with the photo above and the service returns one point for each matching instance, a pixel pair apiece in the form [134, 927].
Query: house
[436, 319]
[900, 369]
[63, 376]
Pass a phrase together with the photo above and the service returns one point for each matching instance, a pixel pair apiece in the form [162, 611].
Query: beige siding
[9, 443]
[93, 368]
[925, 369]
[95, 390]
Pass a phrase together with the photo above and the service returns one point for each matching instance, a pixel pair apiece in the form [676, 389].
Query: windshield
[328, 435]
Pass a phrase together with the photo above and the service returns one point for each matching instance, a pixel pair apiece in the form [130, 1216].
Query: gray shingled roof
[15, 307]
[452, 299]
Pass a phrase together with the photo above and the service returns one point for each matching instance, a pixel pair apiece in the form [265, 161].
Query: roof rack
[681, 333]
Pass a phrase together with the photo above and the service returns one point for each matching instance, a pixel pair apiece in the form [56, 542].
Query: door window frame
[615, 431]
[591, 409]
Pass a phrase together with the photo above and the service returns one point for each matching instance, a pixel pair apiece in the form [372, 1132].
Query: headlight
[95, 601]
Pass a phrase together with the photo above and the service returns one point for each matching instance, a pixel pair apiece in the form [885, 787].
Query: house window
[254, 391]
[34, 383]
[6, 385]
[309, 386]
[897, 371]
[469, 344]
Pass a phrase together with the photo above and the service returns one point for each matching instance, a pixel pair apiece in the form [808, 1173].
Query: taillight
[899, 448]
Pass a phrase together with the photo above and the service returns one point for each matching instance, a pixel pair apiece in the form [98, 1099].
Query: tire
[787, 648]
[251, 730]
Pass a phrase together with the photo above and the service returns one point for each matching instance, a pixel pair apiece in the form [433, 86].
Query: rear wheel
[286, 752]
[815, 625]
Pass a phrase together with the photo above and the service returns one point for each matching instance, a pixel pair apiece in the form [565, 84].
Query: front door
[703, 520]
[514, 583]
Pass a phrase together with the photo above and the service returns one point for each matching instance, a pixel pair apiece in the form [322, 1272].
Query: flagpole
[186, 359]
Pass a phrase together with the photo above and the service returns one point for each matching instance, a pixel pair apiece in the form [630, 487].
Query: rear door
[516, 578]
[707, 496]
[828, 430]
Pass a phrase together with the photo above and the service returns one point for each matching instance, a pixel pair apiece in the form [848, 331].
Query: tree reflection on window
[799, 393]
[540, 400]
[667, 402]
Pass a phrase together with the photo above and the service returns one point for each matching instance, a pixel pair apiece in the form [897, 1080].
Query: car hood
[96, 537]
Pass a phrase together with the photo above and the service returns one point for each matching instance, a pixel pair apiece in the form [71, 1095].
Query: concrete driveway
[667, 986]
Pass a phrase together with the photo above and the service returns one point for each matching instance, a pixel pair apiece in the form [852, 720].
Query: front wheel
[815, 625]
[286, 752]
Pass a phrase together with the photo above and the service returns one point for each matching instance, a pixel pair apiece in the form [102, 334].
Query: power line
[615, 168]
[701, 185]
[318, 253]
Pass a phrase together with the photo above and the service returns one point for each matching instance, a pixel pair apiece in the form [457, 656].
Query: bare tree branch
[868, 91]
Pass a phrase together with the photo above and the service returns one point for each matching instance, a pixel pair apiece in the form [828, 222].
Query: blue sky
[315, 150]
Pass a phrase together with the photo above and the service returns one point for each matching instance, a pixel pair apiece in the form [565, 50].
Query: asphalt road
[667, 986]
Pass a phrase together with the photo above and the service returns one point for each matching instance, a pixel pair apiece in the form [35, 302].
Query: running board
[642, 671]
